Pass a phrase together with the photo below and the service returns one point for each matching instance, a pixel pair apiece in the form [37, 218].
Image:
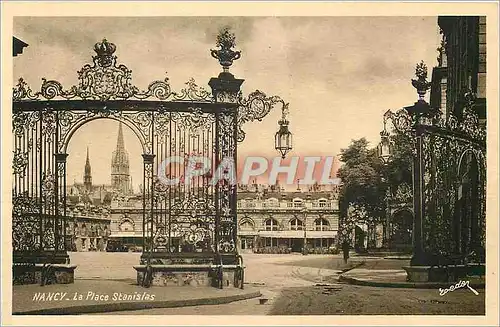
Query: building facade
[462, 60]
[273, 221]
[126, 214]
[87, 227]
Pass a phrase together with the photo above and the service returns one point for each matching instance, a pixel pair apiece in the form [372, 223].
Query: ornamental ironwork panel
[454, 194]
[191, 215]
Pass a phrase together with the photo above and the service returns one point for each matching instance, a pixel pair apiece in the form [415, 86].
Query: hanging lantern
[283, 138]
[385, 147]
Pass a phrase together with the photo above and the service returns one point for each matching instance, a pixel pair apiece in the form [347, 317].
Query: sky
[339, 74]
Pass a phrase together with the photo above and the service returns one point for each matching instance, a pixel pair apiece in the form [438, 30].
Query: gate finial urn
[226, 55]
[421, 83]
[105, 51]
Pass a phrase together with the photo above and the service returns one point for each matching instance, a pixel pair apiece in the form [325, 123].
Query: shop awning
[297, 234]
[321, 234]
[247, 232]
[124, 235]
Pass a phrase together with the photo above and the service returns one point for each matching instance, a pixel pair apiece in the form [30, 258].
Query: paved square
[299, 285]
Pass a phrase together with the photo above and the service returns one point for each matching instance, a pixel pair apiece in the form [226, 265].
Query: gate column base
[24, 274]
[187, 275]
[443, 274]
[190, 269]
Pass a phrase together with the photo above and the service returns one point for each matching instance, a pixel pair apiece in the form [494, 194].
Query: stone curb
[361, 282]
[357, 265]
[128, 306]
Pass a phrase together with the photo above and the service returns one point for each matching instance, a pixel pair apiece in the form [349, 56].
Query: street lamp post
[385, 153]
[304, 248]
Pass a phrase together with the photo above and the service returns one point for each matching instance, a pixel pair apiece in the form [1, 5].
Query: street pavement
[269, 273]
[294, 284]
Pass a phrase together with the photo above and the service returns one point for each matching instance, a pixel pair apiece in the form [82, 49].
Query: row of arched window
[272, 224]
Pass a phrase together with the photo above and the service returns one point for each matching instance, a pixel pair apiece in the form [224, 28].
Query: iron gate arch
[75, 127]
[190, 122]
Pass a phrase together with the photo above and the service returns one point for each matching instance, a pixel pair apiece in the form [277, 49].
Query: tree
[362, 185]
[399, 167]
[366, 179]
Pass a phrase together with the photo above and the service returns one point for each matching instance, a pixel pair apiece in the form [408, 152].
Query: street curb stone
[361, 282]
[129, 306]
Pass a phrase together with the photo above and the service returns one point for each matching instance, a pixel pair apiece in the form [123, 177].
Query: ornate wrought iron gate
[192, 122]
[449, 177]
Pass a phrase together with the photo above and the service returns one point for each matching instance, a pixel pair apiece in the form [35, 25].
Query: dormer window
[272, 202]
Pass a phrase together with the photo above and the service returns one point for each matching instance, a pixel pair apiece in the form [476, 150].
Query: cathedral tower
[87, 175]
[120, 176]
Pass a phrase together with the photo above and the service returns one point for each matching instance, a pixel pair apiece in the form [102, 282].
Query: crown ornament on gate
[104, 79]
[226, 55]
[105, 51]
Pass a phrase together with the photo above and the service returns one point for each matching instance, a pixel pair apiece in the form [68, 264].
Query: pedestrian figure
[345, 249]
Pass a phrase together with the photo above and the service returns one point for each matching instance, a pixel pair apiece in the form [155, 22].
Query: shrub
[272, 250]
[323, 250]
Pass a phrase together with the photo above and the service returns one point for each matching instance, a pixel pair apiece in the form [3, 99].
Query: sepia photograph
[250, 165]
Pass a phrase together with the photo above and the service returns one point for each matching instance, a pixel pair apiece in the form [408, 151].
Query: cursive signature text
[458, 285]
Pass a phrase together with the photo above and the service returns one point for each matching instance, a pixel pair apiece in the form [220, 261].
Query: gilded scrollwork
[48, 185]
[20, 162]
[194, 121]
[468, 124]
[49, 239]
[23, 91]
[25, 223]
[195, 207]
[23, 204]
[453, 151]
[401, 120]
[162, 125]
[226, 246]
[229, 96]
[193, 92]
[19, 121]
[49, 125]
[255, 107]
